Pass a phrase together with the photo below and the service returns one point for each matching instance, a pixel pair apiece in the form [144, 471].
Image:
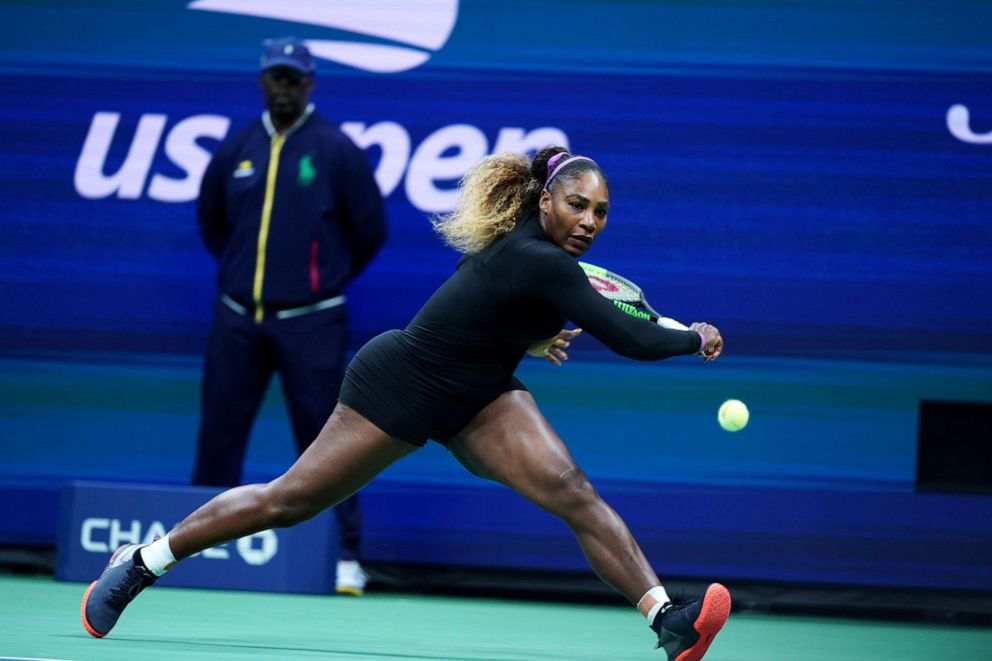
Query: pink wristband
[702, 342]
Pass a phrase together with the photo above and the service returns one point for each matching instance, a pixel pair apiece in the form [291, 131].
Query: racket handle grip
[668, 322]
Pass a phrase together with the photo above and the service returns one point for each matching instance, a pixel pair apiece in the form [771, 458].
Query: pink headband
[557, 168]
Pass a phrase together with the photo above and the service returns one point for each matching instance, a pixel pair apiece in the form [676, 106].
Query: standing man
[290, 208]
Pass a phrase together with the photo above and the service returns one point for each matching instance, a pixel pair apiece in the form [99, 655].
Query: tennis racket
[626, 295]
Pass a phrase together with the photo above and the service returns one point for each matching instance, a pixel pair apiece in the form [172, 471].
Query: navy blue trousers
[308, 353]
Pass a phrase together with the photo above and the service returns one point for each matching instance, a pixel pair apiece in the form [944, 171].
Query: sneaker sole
[712, 617]
[82, 614]
[86, 595]
[354, 592]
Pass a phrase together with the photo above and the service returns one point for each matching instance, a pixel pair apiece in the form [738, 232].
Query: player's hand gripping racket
[630, 298]
[626, 295]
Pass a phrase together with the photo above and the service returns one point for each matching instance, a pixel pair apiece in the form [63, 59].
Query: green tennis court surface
[39, 618]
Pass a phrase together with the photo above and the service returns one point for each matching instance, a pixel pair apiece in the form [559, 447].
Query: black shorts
[386, 384]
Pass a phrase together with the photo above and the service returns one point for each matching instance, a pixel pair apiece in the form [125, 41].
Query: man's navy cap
[288, 52]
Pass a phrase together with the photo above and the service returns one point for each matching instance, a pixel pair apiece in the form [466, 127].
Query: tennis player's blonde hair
[494, 194]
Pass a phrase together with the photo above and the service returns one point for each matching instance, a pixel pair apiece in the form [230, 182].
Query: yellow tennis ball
[733, 415]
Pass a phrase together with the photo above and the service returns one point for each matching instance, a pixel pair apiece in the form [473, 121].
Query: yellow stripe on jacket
[263, 230]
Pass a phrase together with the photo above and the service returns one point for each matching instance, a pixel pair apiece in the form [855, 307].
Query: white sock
[660, 596]
[653, 613]
[157, 556]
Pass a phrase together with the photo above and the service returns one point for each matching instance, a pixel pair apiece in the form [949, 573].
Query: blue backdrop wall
[814, 179]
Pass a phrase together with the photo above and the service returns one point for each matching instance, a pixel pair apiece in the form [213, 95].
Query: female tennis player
[449, 376]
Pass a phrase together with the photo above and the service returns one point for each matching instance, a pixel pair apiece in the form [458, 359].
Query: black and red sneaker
[685, 632]
[107, 597]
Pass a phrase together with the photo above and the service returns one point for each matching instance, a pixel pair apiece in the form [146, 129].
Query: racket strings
[613, 289]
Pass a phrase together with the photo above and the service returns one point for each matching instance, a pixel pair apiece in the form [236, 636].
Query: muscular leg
[348, 452]
[310, 353]
[510, 442]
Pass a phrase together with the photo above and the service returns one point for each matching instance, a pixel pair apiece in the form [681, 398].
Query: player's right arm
[554, 276]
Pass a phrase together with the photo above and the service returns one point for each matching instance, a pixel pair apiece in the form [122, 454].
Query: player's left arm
[553, 349]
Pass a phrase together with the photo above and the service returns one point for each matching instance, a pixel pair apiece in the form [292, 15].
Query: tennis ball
[733, 415]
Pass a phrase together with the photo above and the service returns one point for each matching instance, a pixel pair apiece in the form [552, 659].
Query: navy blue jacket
[325, 222]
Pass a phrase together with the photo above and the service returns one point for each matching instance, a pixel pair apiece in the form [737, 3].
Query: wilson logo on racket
[632, 311]
[626, 295]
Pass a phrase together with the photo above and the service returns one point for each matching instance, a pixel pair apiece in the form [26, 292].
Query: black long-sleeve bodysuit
[460, 351]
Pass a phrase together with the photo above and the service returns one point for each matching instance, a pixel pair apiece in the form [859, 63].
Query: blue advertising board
[827, 201]
[98, 517]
